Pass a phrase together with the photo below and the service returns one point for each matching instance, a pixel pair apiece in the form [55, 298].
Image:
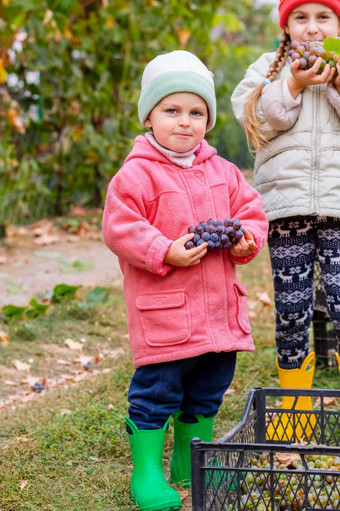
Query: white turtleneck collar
[184, 160]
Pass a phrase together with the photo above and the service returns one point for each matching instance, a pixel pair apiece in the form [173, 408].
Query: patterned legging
[294, 244]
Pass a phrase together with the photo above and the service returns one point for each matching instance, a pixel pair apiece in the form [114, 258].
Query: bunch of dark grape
[309, 51]
[216, 233]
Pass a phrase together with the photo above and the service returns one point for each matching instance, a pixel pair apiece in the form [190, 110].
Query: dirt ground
[31, 263]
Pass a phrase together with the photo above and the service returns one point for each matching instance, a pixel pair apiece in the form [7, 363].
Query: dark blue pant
[294, 244]
[194, 385]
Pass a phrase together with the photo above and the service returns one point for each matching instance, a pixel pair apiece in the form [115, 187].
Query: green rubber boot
[149, 487]
[180, 468]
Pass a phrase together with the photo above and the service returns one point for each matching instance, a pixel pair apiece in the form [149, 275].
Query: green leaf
[97, 295]
[76, 266]
[37, 309]
[332, 44]
[13, 311]
[14, 288]
[62, 291]
[49, 255]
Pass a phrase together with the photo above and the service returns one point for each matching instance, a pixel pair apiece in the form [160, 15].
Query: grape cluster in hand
[309, 51]
[216, 233]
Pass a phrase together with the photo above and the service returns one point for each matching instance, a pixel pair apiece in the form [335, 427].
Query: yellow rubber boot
[338, 360]
[288, 427]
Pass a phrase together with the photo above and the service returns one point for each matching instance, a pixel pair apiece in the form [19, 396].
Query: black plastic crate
[239, 472]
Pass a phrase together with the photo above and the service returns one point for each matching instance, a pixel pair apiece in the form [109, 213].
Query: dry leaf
[86, 361]
[73, 345]
[4, 338]
[116, 353]
[32, 380]
[13, 231]
[63, 362]
[184, 494]
[287, 458]
[15, 120]
[46, 239]
[327, 401]
[183, 36]
[264, 298]
[21, 366]
[301, 442]
[10, 382]
[48, 16]
[23, 483]
[229, 391]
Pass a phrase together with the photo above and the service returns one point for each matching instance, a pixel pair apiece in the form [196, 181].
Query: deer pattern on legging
[295, 243]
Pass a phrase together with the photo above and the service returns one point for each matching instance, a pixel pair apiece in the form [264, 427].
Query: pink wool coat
[174, 312]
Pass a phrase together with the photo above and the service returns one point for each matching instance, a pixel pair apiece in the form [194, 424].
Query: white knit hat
[177, 71]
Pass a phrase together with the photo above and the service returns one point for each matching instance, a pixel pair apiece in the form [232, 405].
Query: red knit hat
[286, 7]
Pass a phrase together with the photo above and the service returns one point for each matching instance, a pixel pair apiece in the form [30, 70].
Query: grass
[67, 449]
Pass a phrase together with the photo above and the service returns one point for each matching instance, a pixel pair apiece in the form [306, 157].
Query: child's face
[312, 21]
[179, 121]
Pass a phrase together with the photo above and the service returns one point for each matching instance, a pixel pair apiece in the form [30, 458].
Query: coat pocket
[165, 317]
[242, 307]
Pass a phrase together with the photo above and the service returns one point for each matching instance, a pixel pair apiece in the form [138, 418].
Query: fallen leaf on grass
[12, 231]
[88, 362]
[184, 494]
[264, 298]
[46, 239]
[23, 483]
[113, 353]
[63, 362]
[229, 391]
[21, 366]
[327, 401]
[4, 338]
[73, 345]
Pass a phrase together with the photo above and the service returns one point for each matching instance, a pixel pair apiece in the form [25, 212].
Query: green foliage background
[65, 132]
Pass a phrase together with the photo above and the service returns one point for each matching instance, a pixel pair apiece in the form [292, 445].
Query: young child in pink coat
[187, 312]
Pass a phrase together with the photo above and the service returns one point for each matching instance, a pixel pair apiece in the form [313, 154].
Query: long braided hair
[257, 140]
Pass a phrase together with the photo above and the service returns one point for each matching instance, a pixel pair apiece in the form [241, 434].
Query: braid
[280, 57]
[252, 127]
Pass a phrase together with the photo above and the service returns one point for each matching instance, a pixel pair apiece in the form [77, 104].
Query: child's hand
[245, 246]
[178, 255]
[302, 77]
[336, 80]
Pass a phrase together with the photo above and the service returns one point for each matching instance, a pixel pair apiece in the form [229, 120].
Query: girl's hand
[245, 246]
[178, 255]
[336, 81]
[302, 77]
